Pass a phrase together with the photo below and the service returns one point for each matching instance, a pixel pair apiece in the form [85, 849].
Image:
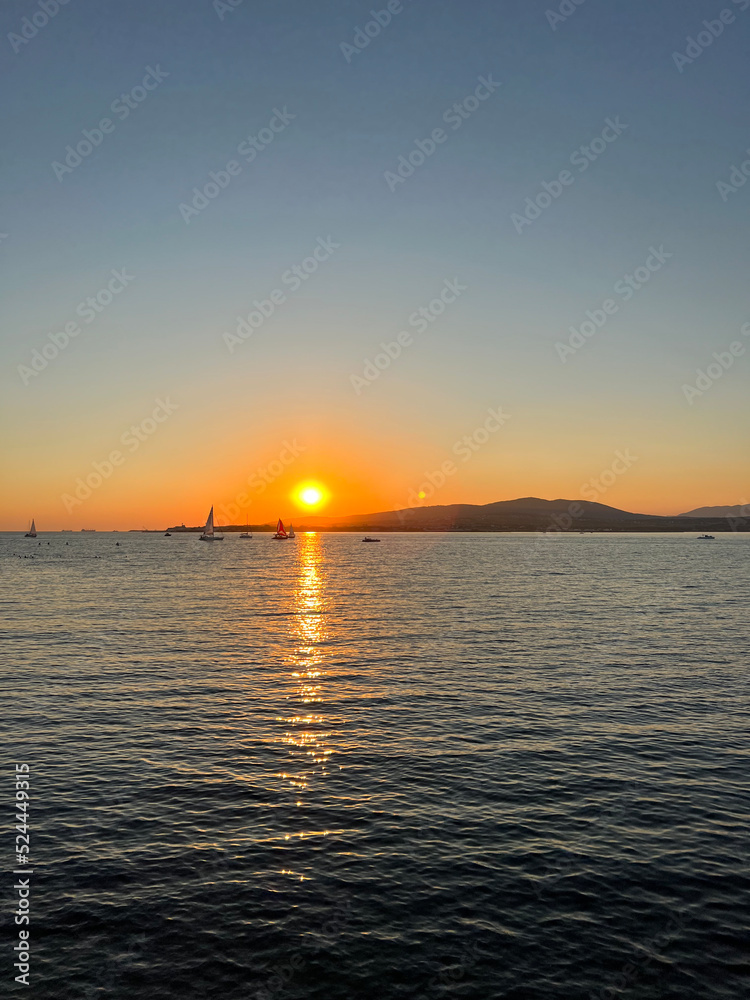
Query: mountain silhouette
[738, 510]
[523, 514]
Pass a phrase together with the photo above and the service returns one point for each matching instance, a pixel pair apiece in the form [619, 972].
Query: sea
[466, 766]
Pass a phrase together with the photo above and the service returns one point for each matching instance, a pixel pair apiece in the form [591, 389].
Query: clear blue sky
[323, 176]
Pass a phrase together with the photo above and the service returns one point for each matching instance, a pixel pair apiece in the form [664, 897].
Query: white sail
[291, 531]
[31, 533]
[209, 534]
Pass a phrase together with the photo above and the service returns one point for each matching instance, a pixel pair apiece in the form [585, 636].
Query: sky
[192, 168]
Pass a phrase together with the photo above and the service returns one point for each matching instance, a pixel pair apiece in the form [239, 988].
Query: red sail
[280, 529]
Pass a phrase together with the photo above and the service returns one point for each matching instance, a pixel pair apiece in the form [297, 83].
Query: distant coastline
[512, 516]
[526, 515]
[684, 527]
[522, 515]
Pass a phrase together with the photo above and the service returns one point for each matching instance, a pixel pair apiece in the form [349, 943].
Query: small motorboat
[706, 538]
[370, 539]
[167, 534]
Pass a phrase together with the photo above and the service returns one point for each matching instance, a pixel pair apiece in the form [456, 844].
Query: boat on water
[291, 531]
[167, 534]
[31, 533]
[706, 538]
[247, 533]
[281, 532]
[370, 539]
[209, 535]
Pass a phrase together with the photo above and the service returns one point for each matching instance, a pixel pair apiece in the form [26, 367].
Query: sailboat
[281, 532]
[31, 533]
[291, 531]
[208, 532]
[247, 533]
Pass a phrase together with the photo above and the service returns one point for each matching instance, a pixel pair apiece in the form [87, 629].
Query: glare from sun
[311, 495]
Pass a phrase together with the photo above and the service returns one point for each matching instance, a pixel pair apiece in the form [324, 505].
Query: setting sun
[310, 495]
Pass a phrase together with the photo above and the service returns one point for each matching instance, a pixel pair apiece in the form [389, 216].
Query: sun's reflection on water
[305, 735]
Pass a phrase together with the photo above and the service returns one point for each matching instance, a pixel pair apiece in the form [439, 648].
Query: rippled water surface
[467, 766]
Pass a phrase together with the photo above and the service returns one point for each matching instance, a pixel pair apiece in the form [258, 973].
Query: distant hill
[739, 510]
[524, 514]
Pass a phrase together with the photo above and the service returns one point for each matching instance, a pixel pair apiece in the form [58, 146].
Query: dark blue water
[466, 766]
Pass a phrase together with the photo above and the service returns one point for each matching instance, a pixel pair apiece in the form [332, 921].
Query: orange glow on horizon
[355, 470]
